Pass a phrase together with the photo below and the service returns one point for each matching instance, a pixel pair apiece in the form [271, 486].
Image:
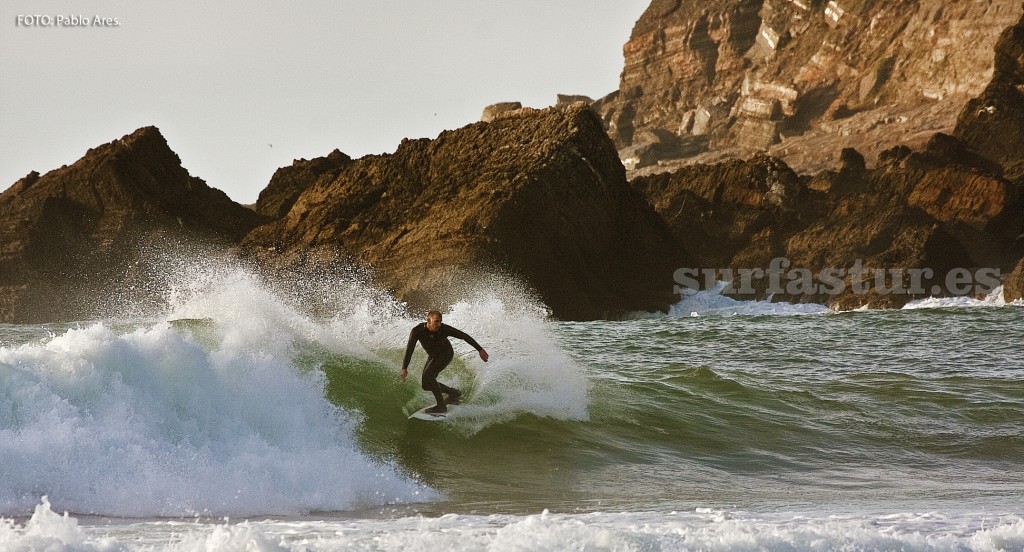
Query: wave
[235, 399]
[240, 398]
[365, 332]
[151, 423]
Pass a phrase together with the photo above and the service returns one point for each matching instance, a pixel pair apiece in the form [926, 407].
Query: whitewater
[237, 415]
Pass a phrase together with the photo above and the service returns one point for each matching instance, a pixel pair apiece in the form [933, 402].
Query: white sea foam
[527, 373]
[211, 415]
[151, 422]
[704, 529]
[713, 303]
[994, 299]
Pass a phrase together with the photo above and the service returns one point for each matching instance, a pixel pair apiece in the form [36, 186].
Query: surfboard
[422, 414]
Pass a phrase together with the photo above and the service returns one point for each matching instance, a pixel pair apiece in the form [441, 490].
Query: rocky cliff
[800, 79]
[72, 239]
[881, 236]
[539, 195]
[542, 196]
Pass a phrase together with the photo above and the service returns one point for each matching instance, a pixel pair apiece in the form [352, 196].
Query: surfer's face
[434, 324]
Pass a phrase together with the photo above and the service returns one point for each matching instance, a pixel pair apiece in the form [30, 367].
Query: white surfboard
[422, 414]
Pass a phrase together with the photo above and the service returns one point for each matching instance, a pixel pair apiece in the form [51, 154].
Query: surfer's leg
[453, 394]
[430, 371]
[430, 382]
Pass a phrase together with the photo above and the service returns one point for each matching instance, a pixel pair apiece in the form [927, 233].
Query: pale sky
[240, 88]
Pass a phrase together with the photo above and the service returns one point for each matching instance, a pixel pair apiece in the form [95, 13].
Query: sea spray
[151, 423]
[45, 530]
[215, 401]
[529, 372]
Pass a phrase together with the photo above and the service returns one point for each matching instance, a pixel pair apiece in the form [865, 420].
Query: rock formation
[289, 182]
[494, 110]
[1014, 283]
[807, 80]
[540, 195]
[807, 138]
[801, 79]
[715, 211]
[993, 123]
[926, 211]
[74, 237]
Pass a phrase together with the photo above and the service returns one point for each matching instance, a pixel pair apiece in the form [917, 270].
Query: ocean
[233, 418]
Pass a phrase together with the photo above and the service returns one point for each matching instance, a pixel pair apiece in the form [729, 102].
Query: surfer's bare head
[433, 320]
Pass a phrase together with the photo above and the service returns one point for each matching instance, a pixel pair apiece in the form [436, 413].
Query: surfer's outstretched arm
[457, 333]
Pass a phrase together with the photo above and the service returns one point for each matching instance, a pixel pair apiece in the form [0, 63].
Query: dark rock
[874, 233]
[931, 212]
[566, 99]
[894, 156]
[943, 149]
[975, 199]
[715, 211]
[537, 194]
[851, 162]
[289, 182]
[76, 235]
[850, 177]
[982, 211]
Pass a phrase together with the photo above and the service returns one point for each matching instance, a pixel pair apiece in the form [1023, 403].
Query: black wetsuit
[439, 354]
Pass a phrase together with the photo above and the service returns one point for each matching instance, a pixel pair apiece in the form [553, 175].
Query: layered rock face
[538, 194]
[74, 237]
[992, 127]
[801, 79]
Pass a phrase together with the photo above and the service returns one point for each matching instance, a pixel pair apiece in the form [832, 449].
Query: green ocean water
[237, 420]
[913, 408]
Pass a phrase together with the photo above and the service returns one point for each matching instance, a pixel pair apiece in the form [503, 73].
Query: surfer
[433, 335]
